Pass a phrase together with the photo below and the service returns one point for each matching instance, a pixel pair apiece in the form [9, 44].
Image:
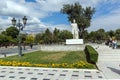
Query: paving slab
[33, 73]
[108, 61]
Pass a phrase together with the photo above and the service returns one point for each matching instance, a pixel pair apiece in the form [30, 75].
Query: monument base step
[74, 41]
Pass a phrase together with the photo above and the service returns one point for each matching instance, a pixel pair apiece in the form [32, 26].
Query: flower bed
[79, 64]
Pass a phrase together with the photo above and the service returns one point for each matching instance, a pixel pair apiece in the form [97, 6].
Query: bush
[91, 54]
[118, 46]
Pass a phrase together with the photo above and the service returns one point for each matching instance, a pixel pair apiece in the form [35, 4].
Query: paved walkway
[108, 63]
[14, 50]
[28, 73]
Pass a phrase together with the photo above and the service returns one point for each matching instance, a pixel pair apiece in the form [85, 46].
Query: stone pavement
[108, 61]
[32, 73]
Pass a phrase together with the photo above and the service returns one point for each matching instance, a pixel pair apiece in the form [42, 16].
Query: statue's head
[74, 21]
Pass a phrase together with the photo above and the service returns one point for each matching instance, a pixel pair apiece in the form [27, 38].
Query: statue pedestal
[74, 41]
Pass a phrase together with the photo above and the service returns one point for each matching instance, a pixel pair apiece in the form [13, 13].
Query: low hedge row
[118, 46]
[91, 54]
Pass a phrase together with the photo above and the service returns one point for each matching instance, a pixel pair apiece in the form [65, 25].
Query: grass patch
[42, 57]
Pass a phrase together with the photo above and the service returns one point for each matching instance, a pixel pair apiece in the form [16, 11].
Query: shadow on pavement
[114, 70]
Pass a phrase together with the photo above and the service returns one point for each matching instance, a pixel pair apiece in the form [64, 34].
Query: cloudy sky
[44, 14]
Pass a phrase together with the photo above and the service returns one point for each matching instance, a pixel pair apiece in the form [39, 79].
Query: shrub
[91, 54]
[118, 46]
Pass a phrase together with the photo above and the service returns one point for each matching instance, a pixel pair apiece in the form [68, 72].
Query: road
[14, 50]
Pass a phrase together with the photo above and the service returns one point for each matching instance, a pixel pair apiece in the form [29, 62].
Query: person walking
[114, 42]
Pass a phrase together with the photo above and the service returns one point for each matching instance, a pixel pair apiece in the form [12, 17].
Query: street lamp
[20, 28]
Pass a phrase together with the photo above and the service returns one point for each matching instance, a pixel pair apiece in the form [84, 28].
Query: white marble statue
[75, 30]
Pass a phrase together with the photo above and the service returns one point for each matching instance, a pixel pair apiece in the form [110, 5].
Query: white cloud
[106, 22]
[61, 27]
[43, 8]
[56, 5]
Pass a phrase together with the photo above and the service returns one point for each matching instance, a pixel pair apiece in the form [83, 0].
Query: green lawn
[49, 57]
[42, 57]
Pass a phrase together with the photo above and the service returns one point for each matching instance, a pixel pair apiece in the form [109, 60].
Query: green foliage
[56, 34]
[65, 35]
[111, 33]
[118, 46]
[97, 36]
[12, 31]
[39, 38]
[81, 15]
[47, 37]
[10, 35]
[117, 34]
[56, 37]
[30, 39]
[91, 54]
[23, 37]
[4, 39]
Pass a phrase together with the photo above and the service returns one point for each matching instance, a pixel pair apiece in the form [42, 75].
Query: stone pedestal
[74, 41]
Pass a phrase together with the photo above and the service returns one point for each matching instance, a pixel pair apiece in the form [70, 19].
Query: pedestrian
[114, 42]
[110, 42]
[31, 45]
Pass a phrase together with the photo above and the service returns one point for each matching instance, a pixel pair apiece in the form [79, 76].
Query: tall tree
[12, 31]
[92, 36]
[81, 15]
[23, 37]
[65, 34]
[100, 34]
[56, 34]
[47, 36]
[111, 33]
[117, 34]
[39, 38]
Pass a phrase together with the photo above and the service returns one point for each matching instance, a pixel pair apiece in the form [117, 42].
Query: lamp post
[20, 28]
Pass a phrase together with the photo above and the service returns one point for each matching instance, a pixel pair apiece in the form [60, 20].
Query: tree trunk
[81, 32]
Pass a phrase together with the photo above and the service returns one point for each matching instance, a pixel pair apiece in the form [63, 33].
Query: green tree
[5, 40]
[30, 39]
[56, 34]
[11, 31]
[92, 36]
[65, 34]
[39, 38]
[111, 33]
[47, 37]
[100, 34]
[117, 34]
[23, 37]
[81, 15]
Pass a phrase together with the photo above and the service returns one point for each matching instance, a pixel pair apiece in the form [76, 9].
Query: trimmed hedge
[91, 54]
[118, 46]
